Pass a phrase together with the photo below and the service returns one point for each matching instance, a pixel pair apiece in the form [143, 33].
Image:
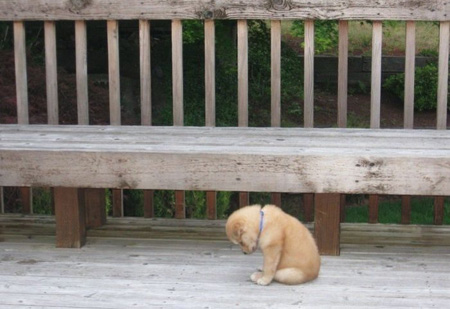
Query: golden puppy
[290, 252]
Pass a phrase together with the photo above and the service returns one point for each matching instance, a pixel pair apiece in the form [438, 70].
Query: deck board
[184, 272]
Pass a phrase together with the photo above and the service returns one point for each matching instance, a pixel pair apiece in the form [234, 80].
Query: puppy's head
[241, 231]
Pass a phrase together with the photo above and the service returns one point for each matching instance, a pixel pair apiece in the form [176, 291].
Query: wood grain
[229, 9]
[180, 205]
[373, 208]
[210, 74]
[26, 199]
[50, 72]
[211, 205]
[293, 160]
[244, 199]
[114, 72]
[149, 207]
[439, 203]
[20, 60]
[145, 72]
[444, 35]
[81, 72]
[275, 77]
[327, 223]
[410, 59]
[406, 210]
[177, 72]
[309, 75]
[342, 74]
[375, 93]
[242, 39]
[70, 217]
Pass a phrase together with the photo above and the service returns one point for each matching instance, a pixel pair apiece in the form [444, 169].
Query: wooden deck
[137, 263]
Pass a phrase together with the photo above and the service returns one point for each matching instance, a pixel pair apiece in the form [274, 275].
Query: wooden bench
[324, 162]
[321, 161]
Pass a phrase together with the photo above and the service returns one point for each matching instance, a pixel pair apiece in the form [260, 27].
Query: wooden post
[95, 206]
[373, 208]
[327, 225]
[244, 199]
[149, 211]
[180, 206]
[276, 199]
[70, 217]
[406, 209]
[27, 200]
[211, 207]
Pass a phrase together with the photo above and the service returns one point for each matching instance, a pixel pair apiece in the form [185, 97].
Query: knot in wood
[79, 4]
[279, 5]
[207, 14]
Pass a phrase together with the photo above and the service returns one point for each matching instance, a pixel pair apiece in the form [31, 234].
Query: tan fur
[290, 252]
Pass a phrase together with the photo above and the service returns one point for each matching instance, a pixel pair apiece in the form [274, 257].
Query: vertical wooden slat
[95, 207]
[211, 205]
[242, 32]
[377, 35]
[145, 72]
[308, 207]
[149, 208]
[26, 197]
[327, 223]
[50, 71]
[439, 202]
[410, 58]
[177, 88]
[375, 99]
[117, 202]
[180, 206]
[406, 209]
[81, 72]
[242, 39]
[275, 78]
[309, 74]
[210, 102]
[343, 74]
[177, 72]
[146, 97]
[342, 88]
[114, 71]
[373, 208]
[444, 33]
[210, 78]
[70, 217]
[20, 59]
[114, 97]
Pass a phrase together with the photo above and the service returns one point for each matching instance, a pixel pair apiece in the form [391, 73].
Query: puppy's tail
[293, 276]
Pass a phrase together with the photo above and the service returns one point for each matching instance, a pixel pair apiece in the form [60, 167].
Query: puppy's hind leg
[291, 276]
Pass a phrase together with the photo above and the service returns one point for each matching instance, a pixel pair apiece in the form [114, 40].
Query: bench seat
[294, 160]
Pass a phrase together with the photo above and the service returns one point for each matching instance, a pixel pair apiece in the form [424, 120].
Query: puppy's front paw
[256, 275]
[263, 281]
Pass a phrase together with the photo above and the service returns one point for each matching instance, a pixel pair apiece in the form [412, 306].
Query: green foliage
[42, 201]
[425, 86]
[325, 34]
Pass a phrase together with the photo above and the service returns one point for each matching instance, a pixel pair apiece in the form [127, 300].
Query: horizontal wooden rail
[436, 10]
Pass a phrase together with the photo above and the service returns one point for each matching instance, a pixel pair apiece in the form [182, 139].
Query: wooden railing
[112, 11]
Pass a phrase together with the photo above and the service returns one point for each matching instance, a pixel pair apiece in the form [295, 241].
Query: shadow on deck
[142, 263]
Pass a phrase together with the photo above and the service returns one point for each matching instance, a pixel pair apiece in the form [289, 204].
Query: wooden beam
[70, 217]
[444, 38]
[327, 223]
[145, 72]
[26, 197]
[373, 208]
[410, 65]
[244, 199]
[50, 71]
[242, 38]
[149, 208]
[211, 205]
[343, 74]
[439, 203]
[230, 9]
[81, 72]
[406, 209]
[114, 72]
[180, 205]
[309, 75]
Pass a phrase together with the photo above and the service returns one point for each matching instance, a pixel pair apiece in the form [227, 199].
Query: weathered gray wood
[81, 72]
[164, 273]
[309, 75]
[230, 9]
[51, 74]
[20, 60]
[242, 42]
[210, 74]
[444, 35]
[114, 72]
[375, 90]
[145, 71]
[275, 77]
[410, 59]
[228, 159]
[343, 74]
[177, 72]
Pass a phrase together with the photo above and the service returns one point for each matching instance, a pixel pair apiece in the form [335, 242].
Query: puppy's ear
[238, 230]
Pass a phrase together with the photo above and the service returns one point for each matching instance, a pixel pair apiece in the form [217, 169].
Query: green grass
[389, 211]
